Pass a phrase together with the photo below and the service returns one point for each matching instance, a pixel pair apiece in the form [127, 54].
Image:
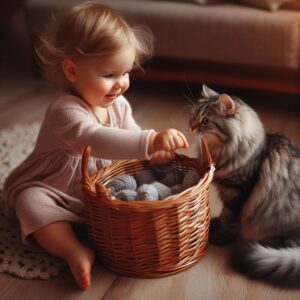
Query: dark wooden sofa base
[223, 74]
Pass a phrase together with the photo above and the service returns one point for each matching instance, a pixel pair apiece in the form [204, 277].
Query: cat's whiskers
[200, 148]
[191, 101]
[193, 98]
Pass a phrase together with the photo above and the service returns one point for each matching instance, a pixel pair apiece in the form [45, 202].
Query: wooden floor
[23, 99]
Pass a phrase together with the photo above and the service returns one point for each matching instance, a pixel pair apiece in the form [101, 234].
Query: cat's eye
[205, 121]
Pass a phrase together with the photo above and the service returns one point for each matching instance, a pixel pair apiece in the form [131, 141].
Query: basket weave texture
[144, 238]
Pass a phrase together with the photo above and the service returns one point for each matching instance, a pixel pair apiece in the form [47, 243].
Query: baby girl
[88, 52]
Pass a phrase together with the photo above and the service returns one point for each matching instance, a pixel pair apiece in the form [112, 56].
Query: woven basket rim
[172, 199]
[90, 185]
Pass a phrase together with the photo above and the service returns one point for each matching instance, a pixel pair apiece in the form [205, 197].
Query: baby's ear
[208, 92]
[226, 105]
[69, 69]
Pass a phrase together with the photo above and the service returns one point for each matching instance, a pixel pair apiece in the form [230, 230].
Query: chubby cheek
[92, 91]
[102, 87]
[84, 86]
[126, 85]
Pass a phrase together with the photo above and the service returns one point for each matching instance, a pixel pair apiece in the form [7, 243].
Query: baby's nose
[119, 84]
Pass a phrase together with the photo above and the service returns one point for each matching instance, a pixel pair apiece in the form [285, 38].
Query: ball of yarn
[123, 182]
[145, 176]
[126, 195]
[147, 192]
[176, 189]
[190, 179]
[161, 170]
[162, 190]
[172, 178]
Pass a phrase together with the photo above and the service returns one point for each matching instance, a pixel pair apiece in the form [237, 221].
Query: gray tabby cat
[258, 179]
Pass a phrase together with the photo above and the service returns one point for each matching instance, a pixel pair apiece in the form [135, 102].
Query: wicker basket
[145, 238]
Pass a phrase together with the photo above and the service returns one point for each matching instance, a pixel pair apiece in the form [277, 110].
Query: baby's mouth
[112, 96]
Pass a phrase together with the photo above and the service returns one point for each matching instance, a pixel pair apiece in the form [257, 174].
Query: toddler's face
[100, 81]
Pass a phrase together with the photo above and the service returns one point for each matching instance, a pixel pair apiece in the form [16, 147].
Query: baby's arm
[107, 142]
[76, 128]
[167, 141]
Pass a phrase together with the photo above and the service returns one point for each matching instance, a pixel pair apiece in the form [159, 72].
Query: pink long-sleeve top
[54, 166]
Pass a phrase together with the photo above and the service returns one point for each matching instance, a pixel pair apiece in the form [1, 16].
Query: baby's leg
[60, 240]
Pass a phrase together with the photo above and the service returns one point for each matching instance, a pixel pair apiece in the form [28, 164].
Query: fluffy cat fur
[258, 179]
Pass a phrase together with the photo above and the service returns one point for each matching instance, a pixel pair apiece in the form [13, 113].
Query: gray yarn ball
[123, 182]
[145, 176]
[162, 190]
[172, 178]
[126, 195]
[161, 170]
[147, 192]
[190, 179]
[176, 189]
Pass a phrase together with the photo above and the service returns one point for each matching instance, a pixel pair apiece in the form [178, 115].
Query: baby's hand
[169, 140]
[162, 157]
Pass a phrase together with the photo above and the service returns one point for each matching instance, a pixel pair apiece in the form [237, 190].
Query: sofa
[225, 43]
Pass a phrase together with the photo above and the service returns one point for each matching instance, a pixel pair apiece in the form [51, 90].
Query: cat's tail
[278, 266]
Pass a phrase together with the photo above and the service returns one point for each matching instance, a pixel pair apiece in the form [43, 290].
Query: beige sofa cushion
[219, 33]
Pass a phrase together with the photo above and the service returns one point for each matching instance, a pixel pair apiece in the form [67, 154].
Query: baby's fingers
[170, 155]
[172, 144]
[178, 142]
[183, 139]
[167, 157]
[162, 157]
[154, 158]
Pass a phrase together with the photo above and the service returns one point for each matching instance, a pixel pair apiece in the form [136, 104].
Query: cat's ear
[208, 92]
[226, 105]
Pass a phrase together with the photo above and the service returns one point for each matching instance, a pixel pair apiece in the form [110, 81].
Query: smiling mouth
[112, 96]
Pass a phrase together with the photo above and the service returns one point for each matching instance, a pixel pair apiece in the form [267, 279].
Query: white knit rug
[15, 144]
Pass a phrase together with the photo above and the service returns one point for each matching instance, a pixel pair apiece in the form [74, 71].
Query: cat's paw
[219, 235]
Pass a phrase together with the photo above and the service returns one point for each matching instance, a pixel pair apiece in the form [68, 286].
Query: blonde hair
[89, 29]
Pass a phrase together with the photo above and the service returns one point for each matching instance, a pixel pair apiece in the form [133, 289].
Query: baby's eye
[108, 76]
[205, 121]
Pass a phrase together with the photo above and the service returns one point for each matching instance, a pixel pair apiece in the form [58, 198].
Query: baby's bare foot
[80, 265]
